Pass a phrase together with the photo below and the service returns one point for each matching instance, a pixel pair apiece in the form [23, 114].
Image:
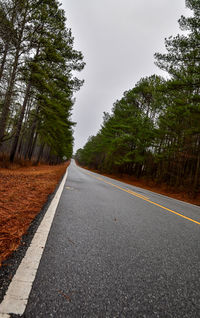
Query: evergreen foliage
[154, 130]
[37, 60]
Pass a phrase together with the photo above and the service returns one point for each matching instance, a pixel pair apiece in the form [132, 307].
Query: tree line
[154, 129]
[37, 60]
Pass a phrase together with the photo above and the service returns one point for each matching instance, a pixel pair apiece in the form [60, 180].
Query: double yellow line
[143, 198]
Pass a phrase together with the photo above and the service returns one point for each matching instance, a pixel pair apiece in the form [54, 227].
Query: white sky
[118, 39]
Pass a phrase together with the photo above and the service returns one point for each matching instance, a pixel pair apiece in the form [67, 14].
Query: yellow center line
[118, 187]
[143, 198]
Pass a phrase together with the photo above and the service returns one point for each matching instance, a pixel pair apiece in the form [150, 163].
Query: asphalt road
[114, 251]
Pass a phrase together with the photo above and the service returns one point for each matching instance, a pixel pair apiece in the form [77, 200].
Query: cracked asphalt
[113, 254]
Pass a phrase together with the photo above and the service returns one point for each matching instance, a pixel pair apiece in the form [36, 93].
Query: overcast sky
[118, 39]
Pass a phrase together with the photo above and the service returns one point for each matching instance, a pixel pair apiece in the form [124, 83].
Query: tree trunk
[196, 177]
[19, 125]
[20, 146]
[8, 42]
[9, 93]
[30, 154]
[3, 61]
[7, 101]
[40, 153]
[32, 139]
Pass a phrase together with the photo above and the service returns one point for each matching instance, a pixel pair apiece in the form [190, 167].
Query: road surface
[115, 250]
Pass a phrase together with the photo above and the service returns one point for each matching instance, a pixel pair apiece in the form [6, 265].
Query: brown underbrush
[23, 191]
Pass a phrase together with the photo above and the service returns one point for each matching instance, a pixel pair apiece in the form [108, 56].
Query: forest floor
[23, 192]
[182, 195]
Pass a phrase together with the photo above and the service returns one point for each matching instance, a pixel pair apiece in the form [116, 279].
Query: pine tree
[41, 58]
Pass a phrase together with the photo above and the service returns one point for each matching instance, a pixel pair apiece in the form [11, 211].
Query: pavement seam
[18, 292]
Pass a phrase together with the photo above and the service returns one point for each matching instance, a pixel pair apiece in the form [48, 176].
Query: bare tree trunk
[19, 126]
[9, 93]
[40, 153]
[20, 121]
[7, 101]
[20, 146]
[8, 41]
[31, 151]
[196, 177]
[30, 143]
[32, 139]
[3, 61]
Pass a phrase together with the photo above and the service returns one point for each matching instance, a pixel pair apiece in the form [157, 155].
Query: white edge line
[18, 292]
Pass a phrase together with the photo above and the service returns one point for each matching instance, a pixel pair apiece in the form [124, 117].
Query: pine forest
[37, 60]
[153, 131]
